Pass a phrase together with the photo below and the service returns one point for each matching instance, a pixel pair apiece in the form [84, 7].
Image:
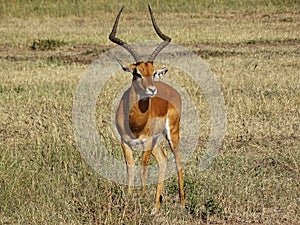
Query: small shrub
[47, 44]
[211, 207]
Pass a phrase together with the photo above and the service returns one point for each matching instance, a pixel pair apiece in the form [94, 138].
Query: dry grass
[255, 57]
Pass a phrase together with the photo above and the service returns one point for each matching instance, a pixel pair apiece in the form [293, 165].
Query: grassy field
[253, 48]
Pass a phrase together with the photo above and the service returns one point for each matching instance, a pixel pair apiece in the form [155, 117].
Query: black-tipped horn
[166, 39]
[118, 41]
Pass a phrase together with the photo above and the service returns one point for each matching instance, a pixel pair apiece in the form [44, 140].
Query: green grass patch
[47, 44]
[271, 41]
[25, 8]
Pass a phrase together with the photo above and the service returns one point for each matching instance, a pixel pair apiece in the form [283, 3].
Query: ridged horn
[166, 39]
[118, 41]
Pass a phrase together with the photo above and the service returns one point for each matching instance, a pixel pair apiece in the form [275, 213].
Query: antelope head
[143, 73]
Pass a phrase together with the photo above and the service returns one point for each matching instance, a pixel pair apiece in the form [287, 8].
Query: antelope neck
[143, 104]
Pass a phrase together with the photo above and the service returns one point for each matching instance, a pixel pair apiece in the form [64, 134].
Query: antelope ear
[127, 67]
[160, 73]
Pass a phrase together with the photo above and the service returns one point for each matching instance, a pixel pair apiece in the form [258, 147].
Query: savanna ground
[253, 48]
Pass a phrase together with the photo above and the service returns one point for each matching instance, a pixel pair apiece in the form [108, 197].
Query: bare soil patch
[86, 54]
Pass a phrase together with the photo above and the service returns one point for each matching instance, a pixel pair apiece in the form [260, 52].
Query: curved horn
[166, 39]
[118, 41]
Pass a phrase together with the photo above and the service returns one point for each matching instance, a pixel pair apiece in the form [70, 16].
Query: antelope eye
[156, 75]
[136, 74]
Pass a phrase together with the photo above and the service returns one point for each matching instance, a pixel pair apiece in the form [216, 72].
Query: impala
[147, 109]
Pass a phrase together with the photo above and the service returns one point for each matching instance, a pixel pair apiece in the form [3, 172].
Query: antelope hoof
[129, 191]
[154, 211]
[143, 192]
[182, 203]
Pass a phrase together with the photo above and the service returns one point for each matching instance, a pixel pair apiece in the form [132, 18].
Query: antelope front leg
[129, 165]
[145, 160]
[161, 160]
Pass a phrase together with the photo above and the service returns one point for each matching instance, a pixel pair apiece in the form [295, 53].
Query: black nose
[152, 89]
